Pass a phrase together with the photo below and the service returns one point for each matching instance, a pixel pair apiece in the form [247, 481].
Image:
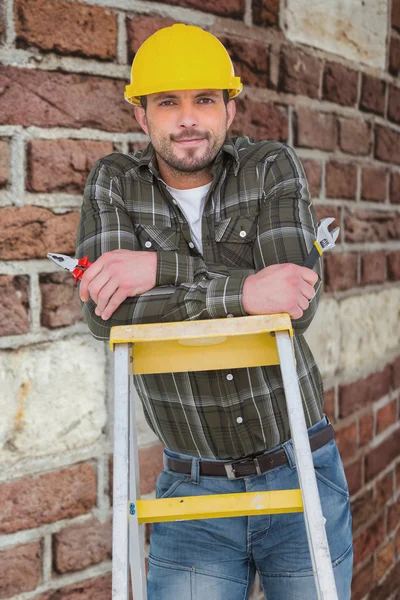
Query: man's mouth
[190, 142]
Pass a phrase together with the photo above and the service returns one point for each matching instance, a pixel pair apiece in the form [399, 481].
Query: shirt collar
[148, 163]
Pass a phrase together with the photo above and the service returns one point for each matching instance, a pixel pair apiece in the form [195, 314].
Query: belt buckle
[230, 468]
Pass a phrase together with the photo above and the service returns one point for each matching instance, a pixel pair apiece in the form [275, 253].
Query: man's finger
[115, 301]
[88, 277]
[105, 294]
[309, 275]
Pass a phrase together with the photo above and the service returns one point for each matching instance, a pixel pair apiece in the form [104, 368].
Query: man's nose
[187, 116]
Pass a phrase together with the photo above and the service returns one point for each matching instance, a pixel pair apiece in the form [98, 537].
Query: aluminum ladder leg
[194, 346]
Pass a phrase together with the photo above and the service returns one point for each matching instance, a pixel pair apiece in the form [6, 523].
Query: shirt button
[239, 420]
[229, 316]
[242, 233]
[229, 377]
[148, 244]
[191, 245]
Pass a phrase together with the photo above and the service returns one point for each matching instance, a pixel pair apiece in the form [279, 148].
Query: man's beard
[190, 163]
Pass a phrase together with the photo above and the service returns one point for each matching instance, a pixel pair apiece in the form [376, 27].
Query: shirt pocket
[152, 237]
[236, 230]
[235, 240]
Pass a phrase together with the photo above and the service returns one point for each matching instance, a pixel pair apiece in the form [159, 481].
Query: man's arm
[105, 226]
[287, 231]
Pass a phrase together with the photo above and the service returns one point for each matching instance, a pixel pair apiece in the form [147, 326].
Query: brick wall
[65, 64]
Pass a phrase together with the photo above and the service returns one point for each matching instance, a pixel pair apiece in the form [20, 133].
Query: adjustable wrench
[325, 241]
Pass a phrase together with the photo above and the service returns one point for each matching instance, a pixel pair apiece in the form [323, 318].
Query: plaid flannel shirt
[258, 212]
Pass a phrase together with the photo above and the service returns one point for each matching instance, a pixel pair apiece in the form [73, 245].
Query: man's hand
[115, 276]
[279, 288]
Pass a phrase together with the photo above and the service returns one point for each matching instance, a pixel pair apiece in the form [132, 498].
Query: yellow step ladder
[198, 346]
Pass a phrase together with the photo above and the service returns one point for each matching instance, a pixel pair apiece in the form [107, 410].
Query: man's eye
[166, 103]
[207, 100]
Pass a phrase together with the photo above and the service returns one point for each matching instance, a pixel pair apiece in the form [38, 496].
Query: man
[197, 226]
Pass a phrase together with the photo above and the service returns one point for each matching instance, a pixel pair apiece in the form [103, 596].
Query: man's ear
[231, 112]
[140, 115]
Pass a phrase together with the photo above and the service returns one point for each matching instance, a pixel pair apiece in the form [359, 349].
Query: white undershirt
[191, 203]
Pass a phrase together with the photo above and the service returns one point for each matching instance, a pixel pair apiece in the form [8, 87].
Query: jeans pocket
[168, 482]
[329, 468]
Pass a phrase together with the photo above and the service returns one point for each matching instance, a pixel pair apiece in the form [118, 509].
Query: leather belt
[253, 465]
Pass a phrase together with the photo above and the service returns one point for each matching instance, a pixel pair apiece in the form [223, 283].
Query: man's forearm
[174, 268]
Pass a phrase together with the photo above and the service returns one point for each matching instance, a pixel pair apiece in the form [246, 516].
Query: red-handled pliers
[76, 266]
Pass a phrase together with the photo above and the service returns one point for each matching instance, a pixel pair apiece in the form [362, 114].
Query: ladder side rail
[136, 530]
[314, 519]
[120, 572]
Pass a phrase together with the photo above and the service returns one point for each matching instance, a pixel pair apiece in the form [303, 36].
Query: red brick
[341, 180]
[72, 160]
[383, 491]
[381, 456]
[226, 8]
[393, 263]
[362, 581]
[385, 558]
[372, 94]
[387, 145]
[373, 267]
[394, 515]
[390, 584]
[354, 476]
[140, 27]
[90, 589]
[369, 540]
[79, 546]
[14, 314]
[394, 104]
[250, 59]
[54, 99]
[266, 12]
[366, 429]
[20, 569]
[363, 509]
[374, 184]
[315, 130]
[340, 84]
[340, 272]
[323, 212]
[395, 188]
[150, 466]
[66, 28]
[386, 416]
[396, 14]
[366, 226]
[346, 439]
[260, 120]
[396, 374]
[299, 73]
[329, 405]
[313, 172]
[354, 136]
[34, 501]
[60, 300]
[4, 163]
[394, 56]
[31, 232]
[361, 393]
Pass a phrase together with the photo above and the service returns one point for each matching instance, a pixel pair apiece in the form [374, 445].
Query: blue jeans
[216, 559]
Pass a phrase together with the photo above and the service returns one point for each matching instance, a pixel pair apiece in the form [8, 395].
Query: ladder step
[216, 506]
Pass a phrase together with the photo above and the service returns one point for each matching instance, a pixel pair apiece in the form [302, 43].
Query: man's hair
[225, 95]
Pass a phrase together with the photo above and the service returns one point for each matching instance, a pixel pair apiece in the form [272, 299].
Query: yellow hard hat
[181, 57]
